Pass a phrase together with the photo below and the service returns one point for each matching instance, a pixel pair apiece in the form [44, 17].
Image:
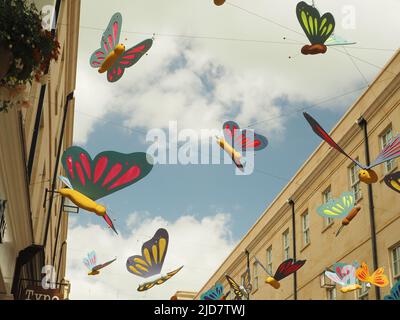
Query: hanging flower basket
[26, 50]
[6, 59]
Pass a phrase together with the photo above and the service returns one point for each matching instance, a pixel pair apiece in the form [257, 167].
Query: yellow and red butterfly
[286, 268]
[378, 278]
[241, 291]
[366, 174]
[112, 56]
[150, 262]
[236, 140]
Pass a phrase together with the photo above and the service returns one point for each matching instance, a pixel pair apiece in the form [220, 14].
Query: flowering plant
[26, 48]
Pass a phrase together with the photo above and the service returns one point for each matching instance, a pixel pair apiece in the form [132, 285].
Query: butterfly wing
[66, 181]
[394, 292]
[327, 138]
[235, 287]
[391, 151]
[215, 293]
[362, 273]
[393, 181]
[334, 40]
[288, 267]
[109, 172]
[334, 277]
[90, 261]
[247, 282]
[243, 139]
[317, 29]
[161, 280]
[378, 278]
[128, 59]
[347, 274]
[153, 255]
[101, 266]
[108, 42]
[338, 208]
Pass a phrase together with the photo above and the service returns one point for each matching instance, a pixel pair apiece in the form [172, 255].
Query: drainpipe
[53, 186]
[59, 260]
[60, 214]
[39, 112]
[248, 267]
[363, 124]
[291, 203]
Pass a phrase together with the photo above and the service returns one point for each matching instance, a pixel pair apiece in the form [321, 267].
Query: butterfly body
[350, 288]
[368, 176]
[91, 264]
[274, 283]
[235, 155]
[93, 273]
[82, 201]
[111, 58]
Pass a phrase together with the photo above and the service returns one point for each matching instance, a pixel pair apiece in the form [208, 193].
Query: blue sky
[200, 83]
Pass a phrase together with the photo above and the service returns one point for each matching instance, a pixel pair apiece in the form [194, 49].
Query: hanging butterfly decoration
[235, 139]
[219, 2]
[241, 291]
[317, 29]
[343, 207]
[392, 180]
[377, 278]
[366, 174]
[150, 263]
[89, 180]
[112, 55]
[285, 269]
[344, 275]
[91, 263]
[215, 293]
[394, 292]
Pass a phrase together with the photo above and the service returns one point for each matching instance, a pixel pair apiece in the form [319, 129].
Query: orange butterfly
[377, 278]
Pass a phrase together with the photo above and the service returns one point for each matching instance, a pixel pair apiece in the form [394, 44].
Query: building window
[255, 276]
[3, 224]
[385, 139]
[331, 293]
[305, 221]
[269, 259]
[326, 197]
[396, 262]
[355, 181]
[363, 292]
[286, 245]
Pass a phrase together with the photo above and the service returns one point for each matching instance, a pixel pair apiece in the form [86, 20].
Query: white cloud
[243, 78]
[199, 245]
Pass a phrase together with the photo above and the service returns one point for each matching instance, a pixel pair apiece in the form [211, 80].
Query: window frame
[305, 229]
[388, 165]
[269, 265]
[325, 199]
[286, 244]
[396, 248]
[355, 185]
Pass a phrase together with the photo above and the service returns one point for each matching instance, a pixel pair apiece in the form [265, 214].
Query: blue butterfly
[215, 293]
[394, 292]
